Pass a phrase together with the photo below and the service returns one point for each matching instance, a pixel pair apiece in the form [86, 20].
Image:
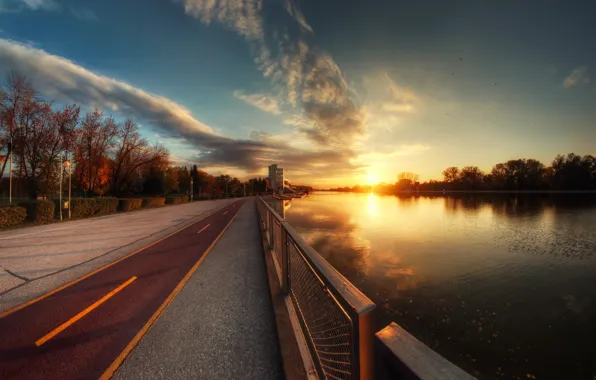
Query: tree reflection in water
[499, 284]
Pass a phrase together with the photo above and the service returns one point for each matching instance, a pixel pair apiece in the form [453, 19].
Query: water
[503, 286]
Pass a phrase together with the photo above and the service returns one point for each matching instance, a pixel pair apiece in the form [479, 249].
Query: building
[276, 178]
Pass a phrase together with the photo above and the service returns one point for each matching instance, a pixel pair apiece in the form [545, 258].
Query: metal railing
[334, 316]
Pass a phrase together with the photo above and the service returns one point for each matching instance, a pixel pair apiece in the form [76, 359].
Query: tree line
[103, 156]
[569, 172]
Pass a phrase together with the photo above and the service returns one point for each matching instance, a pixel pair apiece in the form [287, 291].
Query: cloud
[401, 99]
[401, 151]
[65, 81]
[296, 13]
[84, 14]
[33, 5]
[243, 16]
[577, 76]
[309, 79]
[263, 102]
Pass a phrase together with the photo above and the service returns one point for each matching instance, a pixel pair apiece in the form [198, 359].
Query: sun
[372, 178]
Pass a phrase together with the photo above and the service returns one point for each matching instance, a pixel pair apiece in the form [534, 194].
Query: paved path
[37, 259]
[221, 325]
[79, 331]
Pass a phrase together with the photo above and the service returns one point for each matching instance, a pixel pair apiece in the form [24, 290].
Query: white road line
[225, 213]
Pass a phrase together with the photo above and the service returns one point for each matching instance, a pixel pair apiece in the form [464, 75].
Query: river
[503, 286]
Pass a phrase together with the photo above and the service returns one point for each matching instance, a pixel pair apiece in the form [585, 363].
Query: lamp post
[191, 190]
[68, 169]
[60, 189]
[10, 171]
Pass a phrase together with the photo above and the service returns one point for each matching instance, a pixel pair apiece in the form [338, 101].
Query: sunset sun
[372, 178]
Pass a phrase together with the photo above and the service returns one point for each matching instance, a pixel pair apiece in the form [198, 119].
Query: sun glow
[372, 178]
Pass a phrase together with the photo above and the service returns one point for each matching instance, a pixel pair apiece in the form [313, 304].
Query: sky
[337, 92]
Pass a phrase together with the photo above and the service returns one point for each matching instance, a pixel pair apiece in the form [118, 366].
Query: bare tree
[14, 97]
[131, 154]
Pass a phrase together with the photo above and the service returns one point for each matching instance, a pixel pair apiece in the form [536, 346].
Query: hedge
[176, 199]
[105, 205]
[39, 211]
[12, 215]
[128, 204]
[92, 206]
[153, 202]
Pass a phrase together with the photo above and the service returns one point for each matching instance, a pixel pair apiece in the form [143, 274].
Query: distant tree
[408, 176]
[451, 174]
[183, 179]
[574, 172]
[171, 181]
[470, 177]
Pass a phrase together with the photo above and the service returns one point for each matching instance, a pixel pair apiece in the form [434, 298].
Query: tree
[451, 174]
[171, 182]
[95, 140]
[183, 179]
[470, 177]
[411, 177]
[15, 96]
[131, 155]
[39, 134]
[573, 172]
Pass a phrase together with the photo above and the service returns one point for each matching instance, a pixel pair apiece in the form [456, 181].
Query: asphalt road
[35, 260]
[79, 331]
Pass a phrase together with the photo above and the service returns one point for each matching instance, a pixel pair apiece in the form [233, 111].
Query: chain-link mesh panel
[323, 320]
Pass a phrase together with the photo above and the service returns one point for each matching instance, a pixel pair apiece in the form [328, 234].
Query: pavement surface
[38, 259]
[79, 331]
[221, 325]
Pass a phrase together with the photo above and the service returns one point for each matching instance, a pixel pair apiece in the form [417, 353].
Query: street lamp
[191, 190]
[65, 166]
[69, 170]
[10, 171]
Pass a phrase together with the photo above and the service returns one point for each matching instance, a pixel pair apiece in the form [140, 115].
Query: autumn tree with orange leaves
[96, 138]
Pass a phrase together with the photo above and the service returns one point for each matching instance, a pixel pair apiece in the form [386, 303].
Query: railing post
[366, 334]
[285, 260]
[271, 235]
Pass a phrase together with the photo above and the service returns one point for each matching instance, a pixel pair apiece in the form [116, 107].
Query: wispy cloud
[577, 76]
[242, 16]
[401, 151]
[33, 5]
[65, 81]
[310, 80]
[84, 14]
[296, 13]
[261, 101]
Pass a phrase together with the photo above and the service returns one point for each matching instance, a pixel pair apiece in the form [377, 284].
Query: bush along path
[44, 211]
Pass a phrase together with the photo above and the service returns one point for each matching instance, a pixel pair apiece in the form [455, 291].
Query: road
[35, 260]
[87, 328]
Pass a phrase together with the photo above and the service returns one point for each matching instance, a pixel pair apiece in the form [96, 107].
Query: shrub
[39, 211]
[124, 204]
[128, 204]
[105, 205]
[153, 202]
[12, 216]
[176, 199]
[137, 203]
[81, 207]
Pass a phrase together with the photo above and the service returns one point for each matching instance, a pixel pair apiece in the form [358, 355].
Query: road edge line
[62, 287]
[111, 370]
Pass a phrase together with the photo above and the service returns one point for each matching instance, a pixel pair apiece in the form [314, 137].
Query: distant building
[276, 178]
